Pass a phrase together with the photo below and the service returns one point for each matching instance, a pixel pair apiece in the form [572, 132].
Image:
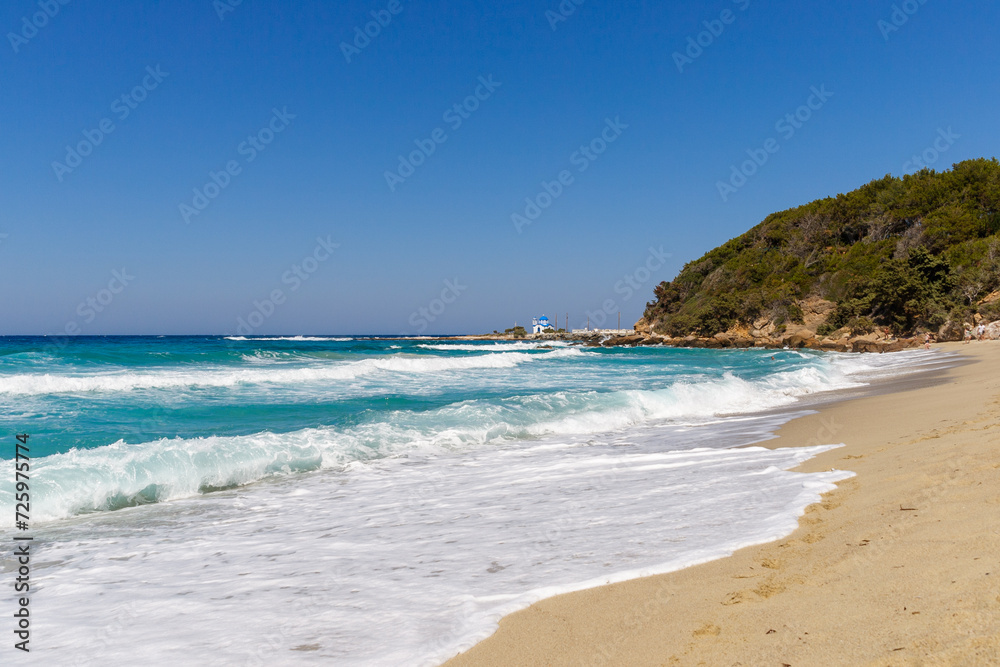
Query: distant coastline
[873, 342]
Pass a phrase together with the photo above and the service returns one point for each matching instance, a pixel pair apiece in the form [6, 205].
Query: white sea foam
[493, 347]
[404, 562]
[47, 383]
[337, 339]
[122, 475]
[269, 356]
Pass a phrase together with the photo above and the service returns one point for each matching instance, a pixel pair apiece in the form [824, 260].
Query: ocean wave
[493, 347]
[268, 356]
[335, 339]
[122, 475]
[36, 384]
[687, 400]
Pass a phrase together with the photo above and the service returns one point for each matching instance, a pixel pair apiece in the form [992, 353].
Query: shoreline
[798, 337]
[896, 566]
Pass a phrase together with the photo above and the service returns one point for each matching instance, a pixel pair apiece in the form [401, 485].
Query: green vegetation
[516, 332]
[908, 254]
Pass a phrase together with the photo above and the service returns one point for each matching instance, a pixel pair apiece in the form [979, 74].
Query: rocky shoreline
[798, 339]
[763, 333]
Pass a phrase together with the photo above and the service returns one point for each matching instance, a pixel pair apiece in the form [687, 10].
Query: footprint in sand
[706, 630]
[769, 589]
[736, 598]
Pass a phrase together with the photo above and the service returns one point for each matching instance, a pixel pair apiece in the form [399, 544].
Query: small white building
[540, 324]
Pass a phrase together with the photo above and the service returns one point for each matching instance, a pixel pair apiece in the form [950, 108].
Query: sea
[356, 500]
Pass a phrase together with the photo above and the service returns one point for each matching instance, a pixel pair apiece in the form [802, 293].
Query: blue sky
[222, 80]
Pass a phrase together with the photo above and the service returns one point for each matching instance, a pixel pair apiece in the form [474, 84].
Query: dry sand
[898, 566]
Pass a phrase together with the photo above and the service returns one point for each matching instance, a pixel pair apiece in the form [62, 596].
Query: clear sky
[308, 114]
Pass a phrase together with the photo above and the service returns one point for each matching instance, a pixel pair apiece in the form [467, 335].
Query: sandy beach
[898, 566]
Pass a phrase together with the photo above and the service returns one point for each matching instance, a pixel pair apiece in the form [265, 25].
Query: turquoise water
[92, 392]
[394, 497]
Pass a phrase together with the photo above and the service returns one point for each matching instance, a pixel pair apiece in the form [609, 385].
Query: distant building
[540, 324]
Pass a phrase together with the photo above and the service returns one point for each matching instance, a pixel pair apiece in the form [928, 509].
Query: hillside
[911, 254]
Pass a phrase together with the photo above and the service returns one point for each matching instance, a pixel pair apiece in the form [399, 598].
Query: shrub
[860, 326]
[825, 329]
